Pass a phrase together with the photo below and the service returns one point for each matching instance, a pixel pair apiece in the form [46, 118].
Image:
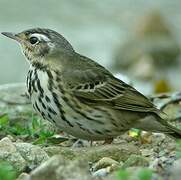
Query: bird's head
[38, 43]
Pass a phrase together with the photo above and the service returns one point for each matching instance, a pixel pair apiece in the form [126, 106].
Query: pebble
[147, 152]
[101, 172]
[104, 162]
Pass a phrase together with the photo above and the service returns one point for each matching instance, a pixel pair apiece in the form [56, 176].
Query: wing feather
[96, 86]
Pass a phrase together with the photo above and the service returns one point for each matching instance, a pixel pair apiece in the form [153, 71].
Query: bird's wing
[96, 86]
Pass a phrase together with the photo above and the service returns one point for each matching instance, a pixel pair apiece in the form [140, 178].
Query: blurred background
[139, 39]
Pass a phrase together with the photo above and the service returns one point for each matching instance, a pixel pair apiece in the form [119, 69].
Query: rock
[147, 152]
[12, 94]
[118, 152]
[105, 162]
[135, 160]
[11, 98]
[75, 170]
[16, 106]
[66, 152]
[106, 171]
[100, 173]
[23, 176]
[154, 164]
[81, 143]
[9, 153]
[105, 166]
[59, 168]
[176, 170]
[33, 154]
[21, 155]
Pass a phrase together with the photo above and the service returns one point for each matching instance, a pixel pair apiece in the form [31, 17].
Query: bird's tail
[174, 132]
[158, 123]
[170, 130]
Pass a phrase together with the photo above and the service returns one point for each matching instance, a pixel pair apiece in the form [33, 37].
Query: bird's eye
[34, 40]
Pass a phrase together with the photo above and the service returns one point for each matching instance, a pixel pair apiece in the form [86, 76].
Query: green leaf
[145, 174]
[7, 172]
[4, 120]
[122, 175]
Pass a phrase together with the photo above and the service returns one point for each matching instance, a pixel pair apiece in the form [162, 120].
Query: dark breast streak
[44, 102]
[44, 107]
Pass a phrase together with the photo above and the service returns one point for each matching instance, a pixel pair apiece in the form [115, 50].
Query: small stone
[176, 170]
[154, 164]
[119, 152]
[11, 138]
[113, 167]
[57, 168]
[147, 152]
[33, 154]
[9, 153]
[81, 143]
[171, 146]
[23, 176]
[163, 158]
[101, 172]
[105, 171]
[105, 162]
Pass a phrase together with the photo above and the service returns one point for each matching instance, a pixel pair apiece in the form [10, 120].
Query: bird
[80, 96]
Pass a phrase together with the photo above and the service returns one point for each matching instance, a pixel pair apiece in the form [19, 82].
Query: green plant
[7, 172]
[35, 130]
[122, 174]
[145, 174]
[142, 174]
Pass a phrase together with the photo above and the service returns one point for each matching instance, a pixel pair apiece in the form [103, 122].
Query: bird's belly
[93, 125]
[77, 119]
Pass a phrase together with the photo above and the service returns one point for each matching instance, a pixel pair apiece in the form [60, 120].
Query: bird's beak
[12, 36]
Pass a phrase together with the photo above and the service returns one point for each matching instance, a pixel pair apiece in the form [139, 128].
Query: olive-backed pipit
[80, 96]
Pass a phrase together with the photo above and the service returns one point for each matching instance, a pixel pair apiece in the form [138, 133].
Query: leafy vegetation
[142, 174]
[145, 174]
[7, 171]
[34, 131]
[123, 174]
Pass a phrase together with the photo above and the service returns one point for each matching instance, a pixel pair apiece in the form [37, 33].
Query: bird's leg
[108, 141]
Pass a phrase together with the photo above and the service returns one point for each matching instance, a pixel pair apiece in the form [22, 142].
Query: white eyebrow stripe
[40, 36]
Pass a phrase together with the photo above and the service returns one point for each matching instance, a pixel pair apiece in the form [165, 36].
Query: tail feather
[157, 123]
[171, 130]
[174, 132]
